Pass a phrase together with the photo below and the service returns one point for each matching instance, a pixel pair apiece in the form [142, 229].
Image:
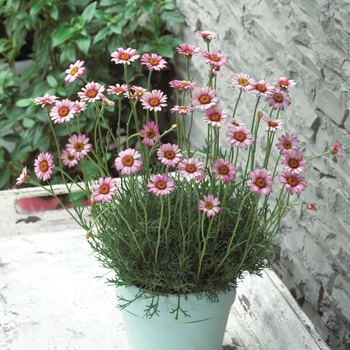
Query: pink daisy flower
[188, 50]
[215, 116]
[273, 125]
[128, 162]
[215, 71]
[45, 100]
[153, 61]
[233, 123]
[214, 58]
[80, 106]
[161, 185]
[204, 97]
[278, 98]
[74, 71]
[106, 101]
[105, 190]
[170, 155]
[287, 142]
[182, 109]
[224, 170]
[262, 89]
[206, 35]
[63, 111]
[209, 205]
[139, 90]
[68, 159]
[294, 183]
[124, 56]
[91, 92]
[154, 100]
[78, 146]
[260, 182]
[284, 83]
[150, 134]
[23, 177]
[191, 169]
[243, 82]
[311, 207]
[240, 136]
[117, 89]
[336, 149]
[182, 84]
[43, 166]
[294, 161]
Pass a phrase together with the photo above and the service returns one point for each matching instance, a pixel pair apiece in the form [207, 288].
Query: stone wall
[309, 42]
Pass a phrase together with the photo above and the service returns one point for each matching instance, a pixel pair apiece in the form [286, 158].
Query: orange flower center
[273, 124]
[161, 185]
[191, 168]
[128, 161]
[188, 52]
[283, 83]
[223, 170]
[118, 90]
[261, 88]
[214, 58]
[287, 144]
[104, 189]
[44, 165]
[243, 82]
[215, 117]
[240, 136]
[204, 99]
[74, 70]
[124, 56]
[91, 93]
[154, 102]
[78, 146]
[292, 181]
[169, 155]
[150, 134]
[278, 97]
[63, 112]
[153, 61]
[293, 163]
[184, 108]
[260, 182]
[209, 205]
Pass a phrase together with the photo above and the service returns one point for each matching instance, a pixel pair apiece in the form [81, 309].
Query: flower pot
[203, 330]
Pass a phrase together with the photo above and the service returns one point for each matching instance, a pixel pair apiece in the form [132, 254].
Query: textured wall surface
[309, 42]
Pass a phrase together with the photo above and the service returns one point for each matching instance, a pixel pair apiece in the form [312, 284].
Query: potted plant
[179, 226]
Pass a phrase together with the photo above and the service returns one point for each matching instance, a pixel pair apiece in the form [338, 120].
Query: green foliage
[55, 34]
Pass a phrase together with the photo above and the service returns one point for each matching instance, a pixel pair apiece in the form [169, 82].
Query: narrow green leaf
[28, 123]
[117, 28]
[89, 12]
[168, 6]
[101, 34]
[62, 34]
[24, 102]
[4, 178]
[36, 7]
[131, 12]
[84, 43]
[148, 6]
[172, 16]
[51, 81]
[54, 13]
[165, 50]
[12, 138]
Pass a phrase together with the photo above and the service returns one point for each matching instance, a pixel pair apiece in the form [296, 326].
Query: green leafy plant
[53, 34]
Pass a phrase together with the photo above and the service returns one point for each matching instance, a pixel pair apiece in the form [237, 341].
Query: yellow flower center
[209, 205]
[63, 112]
[204, 99]
[44, 165]
[191, 168]
[260, 182]
[240, 136]
[124, 56]
[287, 144]
[215, 117]
[169, 155]
[104, 189]
[184, 108]
[91, 93]
[128, 161]
[161, 185]
[78, 146]
[154, 102]
[278, 97]
[243, 82]
[292, 181]
[74, 70]
[153, 61]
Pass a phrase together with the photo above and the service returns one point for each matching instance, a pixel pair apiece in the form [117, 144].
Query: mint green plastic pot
[204, 330]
